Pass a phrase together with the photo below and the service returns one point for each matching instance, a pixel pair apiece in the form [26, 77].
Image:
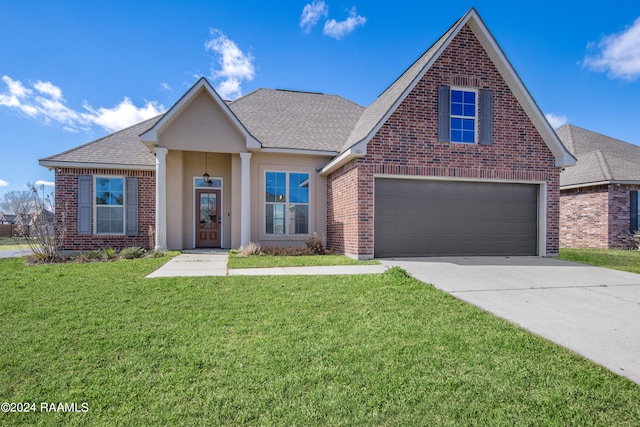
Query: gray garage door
[443, 218]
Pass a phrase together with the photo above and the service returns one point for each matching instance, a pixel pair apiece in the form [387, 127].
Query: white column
[245, 199]
[161, 198]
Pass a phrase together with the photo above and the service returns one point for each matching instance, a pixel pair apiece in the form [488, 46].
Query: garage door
[454, 218]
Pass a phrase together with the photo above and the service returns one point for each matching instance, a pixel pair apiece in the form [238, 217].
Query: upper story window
[464, 116]
[286, 203]
[109, 205]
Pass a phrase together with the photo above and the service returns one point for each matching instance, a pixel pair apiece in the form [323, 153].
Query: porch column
[161, 198]
[245, 199]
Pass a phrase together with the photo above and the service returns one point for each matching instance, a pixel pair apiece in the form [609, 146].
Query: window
[286, 203]
[109, 205]
[463, 116]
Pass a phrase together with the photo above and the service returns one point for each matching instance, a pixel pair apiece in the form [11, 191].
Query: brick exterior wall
[66, 215]
[407, 144]
[596, 217]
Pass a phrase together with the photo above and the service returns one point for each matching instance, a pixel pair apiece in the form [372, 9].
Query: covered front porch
[203, 199]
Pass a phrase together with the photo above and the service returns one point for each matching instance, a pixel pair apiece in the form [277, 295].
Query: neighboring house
[599, 197]
[7, 219]
[454, 158]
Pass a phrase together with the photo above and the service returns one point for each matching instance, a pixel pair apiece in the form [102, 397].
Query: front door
[208, 218]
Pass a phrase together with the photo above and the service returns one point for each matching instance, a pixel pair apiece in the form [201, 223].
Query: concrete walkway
[590, 310]
[215, 264]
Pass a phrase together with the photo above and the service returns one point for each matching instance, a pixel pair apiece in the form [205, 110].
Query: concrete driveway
[590, 310]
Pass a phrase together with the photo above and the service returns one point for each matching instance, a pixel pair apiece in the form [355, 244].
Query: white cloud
[45, 102]
[337, 30]
[312, 13]
[556, 120]
[122, 115]
[618, 54]
[165, 86]
[45, 183]
[3, 183]
[236, 66]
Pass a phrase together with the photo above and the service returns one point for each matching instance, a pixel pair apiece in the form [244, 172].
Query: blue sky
[74, 71]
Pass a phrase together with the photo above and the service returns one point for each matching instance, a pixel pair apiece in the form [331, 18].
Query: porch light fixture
[205, 176]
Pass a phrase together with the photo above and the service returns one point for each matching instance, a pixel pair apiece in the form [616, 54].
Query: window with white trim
[286, 203]
[109, 205]
[464, 115]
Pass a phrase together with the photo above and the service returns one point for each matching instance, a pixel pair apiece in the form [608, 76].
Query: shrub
[37, 229]
[316, 245]
[154, 254]
[287, 251]
[109, 253]
[132, 252]
[251, 248]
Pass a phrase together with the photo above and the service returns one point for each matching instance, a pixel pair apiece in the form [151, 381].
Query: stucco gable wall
[202, 126]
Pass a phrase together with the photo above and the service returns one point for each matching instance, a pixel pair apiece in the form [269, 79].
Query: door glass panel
[208, 213]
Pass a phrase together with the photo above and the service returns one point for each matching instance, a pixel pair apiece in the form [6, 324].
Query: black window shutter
[84, 204]
[633, 210]
[131, 206]
[486, 116]
[443, 114]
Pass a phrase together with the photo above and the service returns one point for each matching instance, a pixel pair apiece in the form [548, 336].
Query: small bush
[154, 254]
[250, 249]
[94, 255]
[287, 251]
[109, 253]
[316, 245]
[132, 252]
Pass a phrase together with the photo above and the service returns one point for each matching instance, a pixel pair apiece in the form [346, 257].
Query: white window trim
[286, 204]
[123, 207]
[475, 119]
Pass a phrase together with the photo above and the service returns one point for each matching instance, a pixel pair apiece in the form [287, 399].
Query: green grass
[628, 260]
[293, 261]
[332, 350]
[13, 243]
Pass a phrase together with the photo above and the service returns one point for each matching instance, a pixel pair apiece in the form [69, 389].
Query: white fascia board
[358, 150]
[598, 183]
[50, 164]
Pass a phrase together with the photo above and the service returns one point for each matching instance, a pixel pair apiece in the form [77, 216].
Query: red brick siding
[584, 217]
[596, 217]
[620, 236]
[407, 144]
[66, 215]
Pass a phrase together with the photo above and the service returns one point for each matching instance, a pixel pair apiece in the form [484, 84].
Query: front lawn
[13, 243]
[351, 350]
[628, 260]
[261, 261]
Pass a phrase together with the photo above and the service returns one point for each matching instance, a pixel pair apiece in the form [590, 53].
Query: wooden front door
[208, 218]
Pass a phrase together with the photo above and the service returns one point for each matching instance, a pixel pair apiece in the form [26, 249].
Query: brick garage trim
[407, 145]
[66, 214]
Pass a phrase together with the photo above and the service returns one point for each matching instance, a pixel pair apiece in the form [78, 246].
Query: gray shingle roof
[600, 158]
[298, 120]
[120, 148]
